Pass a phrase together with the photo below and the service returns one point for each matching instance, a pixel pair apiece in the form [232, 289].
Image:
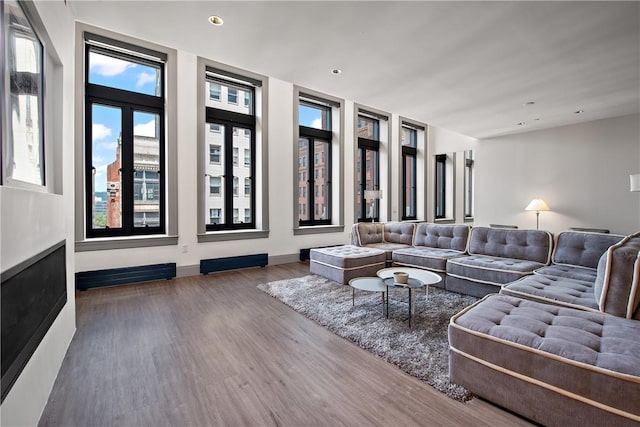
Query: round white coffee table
[417, 278]
[370, 284]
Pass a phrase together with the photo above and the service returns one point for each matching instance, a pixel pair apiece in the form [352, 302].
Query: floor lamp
[537, 205]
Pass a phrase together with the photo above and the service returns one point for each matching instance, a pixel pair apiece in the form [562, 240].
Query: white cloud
[109, 146]
[108, 66]
[144, 78]
[317, 123]
[100, 131]
[145, 129]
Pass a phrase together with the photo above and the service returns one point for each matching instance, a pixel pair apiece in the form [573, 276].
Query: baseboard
[284, 259]
[188, 270]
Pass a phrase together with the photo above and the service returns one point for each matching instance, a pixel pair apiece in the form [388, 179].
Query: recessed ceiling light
[578, 112]
[529, 104]
[520, 124]
[336, 71]
[537, 120]
[216, 20]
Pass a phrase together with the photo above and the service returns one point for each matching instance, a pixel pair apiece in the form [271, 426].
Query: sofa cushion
[491, 270]
[368, 233]
[587, 356]
[430, 258]
[568, 272]
[442, 236]
[617, 286]
[582, 249]
[399, 232]
[532, 245]
[347, 257]
[389, 248]
[554, 290]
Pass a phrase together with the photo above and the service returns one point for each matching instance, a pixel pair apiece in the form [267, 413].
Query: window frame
[469, 165]
[363, 146]
[260, 187]
[6, 152]
[409, 151]
[440, 186]
[230, 121]
[129, 103]
[302, 170]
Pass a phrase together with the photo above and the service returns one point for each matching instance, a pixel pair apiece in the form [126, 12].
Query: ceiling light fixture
[520, 124]
[216, 20]
[578, 112]
[529, 104]
[336, 71]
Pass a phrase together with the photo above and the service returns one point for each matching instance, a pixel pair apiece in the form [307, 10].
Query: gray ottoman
[343, 263]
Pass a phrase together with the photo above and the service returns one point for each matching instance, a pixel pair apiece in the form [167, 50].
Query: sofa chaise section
[576, 254]
[554, 365]
[496, 257]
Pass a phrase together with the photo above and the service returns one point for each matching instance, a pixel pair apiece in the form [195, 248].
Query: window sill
[469, 219]
[445, 220]
[221, 236]
[109, 243]
[318, 229]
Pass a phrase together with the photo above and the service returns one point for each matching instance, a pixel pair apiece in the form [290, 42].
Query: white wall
[32, 221]
[581, 171]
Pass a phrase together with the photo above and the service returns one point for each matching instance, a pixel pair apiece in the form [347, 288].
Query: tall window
[124, 141]
[441, 186]
[237, 124]
[468, 184]
[314, 162]
[409, 141]
[22, 95]
[368, 169]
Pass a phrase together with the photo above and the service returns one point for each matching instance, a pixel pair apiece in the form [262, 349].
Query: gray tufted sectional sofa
[553, 360]
[560, 343]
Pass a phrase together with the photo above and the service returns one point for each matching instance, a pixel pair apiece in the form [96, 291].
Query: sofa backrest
[617, 287]
[399, 232]
[582, 249]
[532, 245]
[366, 233]
[454, 237]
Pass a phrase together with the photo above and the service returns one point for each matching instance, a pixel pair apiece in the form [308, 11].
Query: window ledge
[445, 220]
[108, 243]
[221, 236]
[318, 229]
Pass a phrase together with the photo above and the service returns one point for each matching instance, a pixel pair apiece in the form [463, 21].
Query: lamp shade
[634, 182]
[537, 205]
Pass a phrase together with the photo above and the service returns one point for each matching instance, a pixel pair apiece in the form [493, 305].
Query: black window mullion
[126, 170]
[228, 175]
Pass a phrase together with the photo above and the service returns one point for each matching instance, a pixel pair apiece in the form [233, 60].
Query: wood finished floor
[214, 350]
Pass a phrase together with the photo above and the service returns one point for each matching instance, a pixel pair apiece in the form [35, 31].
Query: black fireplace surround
[32, 295]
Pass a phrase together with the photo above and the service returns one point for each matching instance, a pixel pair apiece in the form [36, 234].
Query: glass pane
[314, 116]
[146, 169]
[242, 174]
[371, 182]
[321, 166]
[106, 151]
[368, 128]
[109, 69]
[303, 185]
[214, 170]
[410, 186]
[25, 146]
[227, 96]
[409, 137]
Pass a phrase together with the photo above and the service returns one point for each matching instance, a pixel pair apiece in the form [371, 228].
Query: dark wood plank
[214, 350]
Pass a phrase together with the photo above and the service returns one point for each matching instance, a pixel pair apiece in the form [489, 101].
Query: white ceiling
[465, 66]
